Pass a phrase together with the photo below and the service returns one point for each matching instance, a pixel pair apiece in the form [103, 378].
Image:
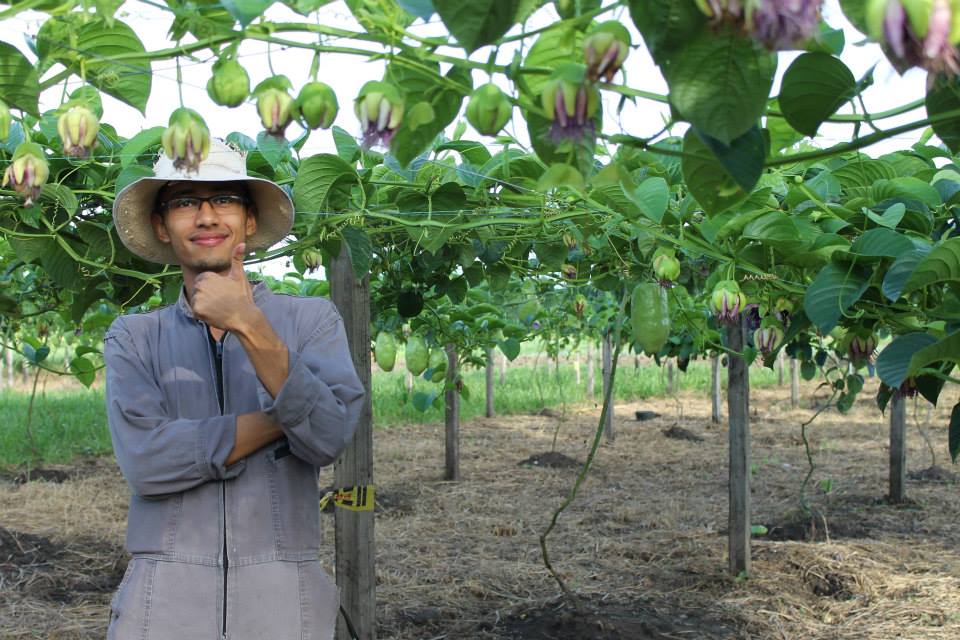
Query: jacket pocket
[295, 501]
[320, 601]
[123, 611]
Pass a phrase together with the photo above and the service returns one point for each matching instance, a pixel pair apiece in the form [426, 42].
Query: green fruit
[650, 317]
[229, 85]
[417, 355]
[385, 351]
[488, 110]
[438, 365]
[318, 105]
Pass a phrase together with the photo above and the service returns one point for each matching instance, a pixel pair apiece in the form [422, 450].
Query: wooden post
[738, 410]
[576, 367]
[591, 382]
[670, 377]
[489, 369]
[607, 365]
[503, 367]
[10, 368]
[451, 416]
[898, 448]
[780, 367]
[356, 573]
[409, 382]
[715, 389]
[794, 383]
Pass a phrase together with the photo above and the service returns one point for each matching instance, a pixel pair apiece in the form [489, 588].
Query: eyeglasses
[224, 203]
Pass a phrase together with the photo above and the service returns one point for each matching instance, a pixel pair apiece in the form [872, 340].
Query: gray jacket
[226, 552]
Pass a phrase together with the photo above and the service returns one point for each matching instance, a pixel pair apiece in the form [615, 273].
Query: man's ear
[251, 224]
[159, 228]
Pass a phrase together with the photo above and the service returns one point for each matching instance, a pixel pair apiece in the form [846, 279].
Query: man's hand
[224, 302]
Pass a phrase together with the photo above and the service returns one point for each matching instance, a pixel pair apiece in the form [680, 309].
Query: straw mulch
[643, 545]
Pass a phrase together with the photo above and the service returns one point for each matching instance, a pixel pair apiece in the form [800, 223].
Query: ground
[643, 547]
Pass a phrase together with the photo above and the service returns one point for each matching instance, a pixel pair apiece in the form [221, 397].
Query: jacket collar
[260, 294]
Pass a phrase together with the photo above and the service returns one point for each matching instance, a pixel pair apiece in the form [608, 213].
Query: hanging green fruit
[438, 364]
[650, 316]
[277, 110]
[385, 351]
[488, 110]
[380, 111]
[317, 104]
[78, 130]
[229, 85]
[27, 172]
[605, 49]
[186, 140]
[417, 355]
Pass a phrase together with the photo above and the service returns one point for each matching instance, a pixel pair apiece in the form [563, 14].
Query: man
[221, 407]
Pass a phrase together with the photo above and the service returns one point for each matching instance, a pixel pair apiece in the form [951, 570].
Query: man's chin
[218, 266]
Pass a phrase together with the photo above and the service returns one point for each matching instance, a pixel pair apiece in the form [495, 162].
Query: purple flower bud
[784, 24]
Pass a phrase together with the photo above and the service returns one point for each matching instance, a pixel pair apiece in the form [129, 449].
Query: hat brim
[134, 204]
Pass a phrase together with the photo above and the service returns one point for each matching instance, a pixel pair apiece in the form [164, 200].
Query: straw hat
[133, 206]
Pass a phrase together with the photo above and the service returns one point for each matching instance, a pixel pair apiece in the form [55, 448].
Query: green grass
[66, 424]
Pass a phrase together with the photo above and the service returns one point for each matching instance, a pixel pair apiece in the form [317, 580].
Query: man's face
[203, 238]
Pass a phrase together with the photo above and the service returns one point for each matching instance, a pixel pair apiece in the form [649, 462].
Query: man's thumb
[238, 251]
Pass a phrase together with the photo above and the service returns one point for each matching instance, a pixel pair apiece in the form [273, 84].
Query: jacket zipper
[218, 377]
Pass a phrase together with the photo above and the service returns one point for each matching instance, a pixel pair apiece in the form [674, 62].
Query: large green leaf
[893, 363]
[882, 242]
[813, 88]
[942, 264]
[135, 146]
[86, 44]
[742, 158]
[831, 293]
[245, 11]
[478, 22]
[947, 349]
[435, 106]
[708, 180]
[316, 177]
[720, 82]
[651, 198]
[862, 172]
[18, 80]
[943, 96]
[666, 24]
[855, 11]
[360, 248]
[776, 229]
[900, 271]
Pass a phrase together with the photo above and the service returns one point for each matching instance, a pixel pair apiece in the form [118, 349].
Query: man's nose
[206, 213]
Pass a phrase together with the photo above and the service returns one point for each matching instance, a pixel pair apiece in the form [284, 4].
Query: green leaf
[891, 217]
[347, 147]
[479, 22]
[943, 96]
[29, 249]
[83, 370]
[422, 9]
[946, 350]
[855, 11]
[18, 80]
[361, 250]
[893, 363]
[554, 47]
[954, 433]
[942, 264]
[813, 88]
[245, 11]
[719, 82]
[831, 293]
[35, 355]
[423, 401]
[316, 177]
[743, 158]
[441, 101]
[708, 180]
[510, 348]
[62, 195]
[651, 197]
[138, 144]
[60, 266]
[666, 24]
[274, 149]
[882, 242]
[97, 45]
[561, 176]
[900, 271]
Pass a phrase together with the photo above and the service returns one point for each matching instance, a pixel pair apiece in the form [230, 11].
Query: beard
[217, 266]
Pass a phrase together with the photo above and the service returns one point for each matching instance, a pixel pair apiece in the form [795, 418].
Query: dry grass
[461, 559]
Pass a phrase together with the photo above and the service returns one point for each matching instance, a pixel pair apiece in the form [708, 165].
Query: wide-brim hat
[134, 204]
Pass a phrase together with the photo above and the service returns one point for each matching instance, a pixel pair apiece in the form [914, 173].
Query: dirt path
[644, 544]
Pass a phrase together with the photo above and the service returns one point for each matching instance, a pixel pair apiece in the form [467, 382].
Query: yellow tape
[359, 498]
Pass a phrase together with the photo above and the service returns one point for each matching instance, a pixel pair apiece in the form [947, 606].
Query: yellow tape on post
[359, 498]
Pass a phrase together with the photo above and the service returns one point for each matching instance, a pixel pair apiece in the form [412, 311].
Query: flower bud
[186, 140]
[720, 10]
[920, 33]
[570, 107]
[380, 111]
[908, 389]
[229, 85]
[5, 121]
[276, 109]
[579, 306]
[317, 104]
[768, 337]
[860, 346]
[28, 171]
[780, 25]
[569, 271]
[312, 260]
[605, 49]
[489, 109]
[78, 129]
[666, 267]
[727, 301]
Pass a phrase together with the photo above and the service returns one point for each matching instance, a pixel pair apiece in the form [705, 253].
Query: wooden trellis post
[715, 389]
[451, 400]
[591, 382]
[738, 410]
[794, 383]
[356, 574]
[898, 448]
[489, 369]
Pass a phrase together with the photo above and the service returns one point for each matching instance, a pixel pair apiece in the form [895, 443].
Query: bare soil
[643, 546]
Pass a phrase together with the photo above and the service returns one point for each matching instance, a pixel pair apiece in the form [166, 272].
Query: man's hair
[237, 186]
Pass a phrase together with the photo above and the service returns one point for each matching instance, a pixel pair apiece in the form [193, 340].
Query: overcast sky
[346, 74]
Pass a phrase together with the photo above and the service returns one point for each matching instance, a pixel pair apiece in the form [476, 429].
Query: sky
[346, 74]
